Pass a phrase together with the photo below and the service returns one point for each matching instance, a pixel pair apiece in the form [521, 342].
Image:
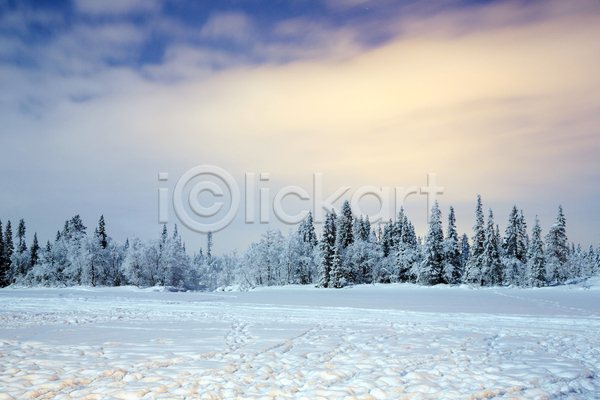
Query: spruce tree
[536, 261]
[308, 243]
[327, 250]
[366, 229]
[432, 267]
[34, 251]
[9, 249]
[473, 268]
[514, 248]
[386, 239]
[337, 278]
[491, 265]
[3, 262]
[344, 226]
[522, 239]
[509, 243]
[465, 251]
[557, 248]
[453, 264]
[209, 245]
[357, 228]
[408, 253]
[21, 245]
[101, 232]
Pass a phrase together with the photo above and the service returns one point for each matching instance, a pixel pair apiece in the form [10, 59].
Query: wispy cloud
[500, 99]
[116, 7]
[234, 26]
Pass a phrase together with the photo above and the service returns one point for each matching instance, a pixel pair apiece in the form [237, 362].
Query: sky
[497, 98]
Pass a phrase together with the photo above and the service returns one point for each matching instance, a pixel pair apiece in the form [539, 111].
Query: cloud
[495, 103]
[234, 26]
[116, 7]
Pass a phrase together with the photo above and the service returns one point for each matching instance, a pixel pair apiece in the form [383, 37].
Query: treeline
[349, 251]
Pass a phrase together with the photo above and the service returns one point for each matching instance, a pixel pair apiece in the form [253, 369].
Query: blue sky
[499, 98]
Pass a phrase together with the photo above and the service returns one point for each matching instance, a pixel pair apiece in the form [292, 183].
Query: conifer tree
[557, 248]
[432, 267]
[209, 245]
[386, 239]
[522, 239]
[473, 268]
[3, 262]
[101, 232]
[337, 278]
[453, 264]
[344, 227]
[465, 251]
[308, 243]
[366, 228]
[408, 253]
[327, 249]
[357, 228]
[34, 251]
[536, 261]
[491, 265]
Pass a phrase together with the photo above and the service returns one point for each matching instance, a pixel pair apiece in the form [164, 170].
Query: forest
[348, 251]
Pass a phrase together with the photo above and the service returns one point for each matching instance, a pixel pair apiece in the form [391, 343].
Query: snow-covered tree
[307, 248]
[491, 264]
[134, 265]
[452, 256]
[473, 270]
[386, 239]
[536, 261]
[327, 249]
[432, 266]
[557, 249]
[465, 251]
[344, 226]
[408, 254]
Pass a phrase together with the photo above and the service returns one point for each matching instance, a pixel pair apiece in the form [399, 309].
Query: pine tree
[473, 273]
[9, 249]
[396, 230]
[407, 254]
[453, 264]
[386, 239]
[209, 245]
[101, 232]
[557, 248]
[20, 261]
[366, 229]
[535, 257]
[465, 251]
[22, 245]
[344, 226]
[509, 243]
[337, 277]
[512, 248]
[327, 249]
[432, 267]
[3, 261]
[357, 228]
[491, 265]
[522, 239]
[34, 251]
[308, 243]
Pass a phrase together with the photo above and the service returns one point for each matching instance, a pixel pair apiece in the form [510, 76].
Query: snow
[363, 342]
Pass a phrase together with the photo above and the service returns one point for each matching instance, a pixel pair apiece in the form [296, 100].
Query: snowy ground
[382, 342]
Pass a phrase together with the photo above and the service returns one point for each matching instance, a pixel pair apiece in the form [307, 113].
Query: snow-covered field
[382, 342]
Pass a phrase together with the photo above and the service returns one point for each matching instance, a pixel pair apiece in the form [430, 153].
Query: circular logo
[194, 204]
